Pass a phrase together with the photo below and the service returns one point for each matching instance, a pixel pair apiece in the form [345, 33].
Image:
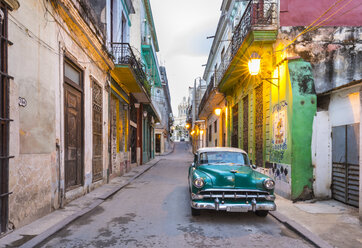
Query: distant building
[162, 101]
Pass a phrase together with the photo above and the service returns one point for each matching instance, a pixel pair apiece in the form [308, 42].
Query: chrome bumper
[242, 207]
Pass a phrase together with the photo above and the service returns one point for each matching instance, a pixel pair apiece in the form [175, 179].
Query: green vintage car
[222, 178]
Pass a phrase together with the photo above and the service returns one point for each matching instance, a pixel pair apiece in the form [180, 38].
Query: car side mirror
[253, 166]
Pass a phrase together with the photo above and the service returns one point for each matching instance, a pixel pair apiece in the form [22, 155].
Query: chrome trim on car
[234, 207]
[236, 194]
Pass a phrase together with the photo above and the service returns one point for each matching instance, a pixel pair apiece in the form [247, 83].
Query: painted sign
[279, 138]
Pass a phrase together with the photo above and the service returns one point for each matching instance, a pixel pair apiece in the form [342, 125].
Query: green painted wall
[304, 109]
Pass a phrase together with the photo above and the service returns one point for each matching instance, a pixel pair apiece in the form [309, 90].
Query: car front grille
[234, 194]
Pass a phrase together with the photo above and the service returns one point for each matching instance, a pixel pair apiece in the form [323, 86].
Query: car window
[224, 157]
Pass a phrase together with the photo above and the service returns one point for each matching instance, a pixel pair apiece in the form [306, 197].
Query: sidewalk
[325, 223]
[39, 230]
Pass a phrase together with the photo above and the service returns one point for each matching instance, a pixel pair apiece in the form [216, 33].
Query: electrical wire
[312, 27]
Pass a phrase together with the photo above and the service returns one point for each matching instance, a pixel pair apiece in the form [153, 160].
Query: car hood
[232, 176]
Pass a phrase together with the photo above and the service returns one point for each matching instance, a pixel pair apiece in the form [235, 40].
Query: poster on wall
[279, 137]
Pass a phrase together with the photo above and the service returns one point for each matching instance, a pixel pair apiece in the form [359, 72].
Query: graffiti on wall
[279, 138]
[281, 173]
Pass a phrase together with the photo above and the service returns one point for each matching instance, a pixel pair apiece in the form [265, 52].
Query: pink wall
[304, 12]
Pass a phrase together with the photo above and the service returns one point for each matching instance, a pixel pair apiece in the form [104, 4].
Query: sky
[182, 28]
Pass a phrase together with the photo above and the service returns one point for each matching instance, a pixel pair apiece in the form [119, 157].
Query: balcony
[259, 18]
[129, 71]
[210, 100]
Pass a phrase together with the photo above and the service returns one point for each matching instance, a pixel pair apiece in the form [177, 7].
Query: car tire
[262, 213]
[195, 212]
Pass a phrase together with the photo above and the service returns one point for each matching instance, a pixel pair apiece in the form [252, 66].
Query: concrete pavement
[39, 230]
[154, 211]
[326, 223]
[322, 223]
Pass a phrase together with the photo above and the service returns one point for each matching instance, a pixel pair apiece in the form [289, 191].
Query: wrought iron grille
[258, 14]
[4, 119]
[124, 55]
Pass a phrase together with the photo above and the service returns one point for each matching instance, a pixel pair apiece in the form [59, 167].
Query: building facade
[78, 111]
[288, 115]
[162, 101]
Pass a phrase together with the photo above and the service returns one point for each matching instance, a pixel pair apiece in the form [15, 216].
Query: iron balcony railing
[124, 55]
[258, 14]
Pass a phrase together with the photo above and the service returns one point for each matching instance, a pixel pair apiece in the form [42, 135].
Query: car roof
[220, 149]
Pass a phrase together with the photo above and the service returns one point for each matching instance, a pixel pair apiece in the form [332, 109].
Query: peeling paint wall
[37, 133]
[334, 52]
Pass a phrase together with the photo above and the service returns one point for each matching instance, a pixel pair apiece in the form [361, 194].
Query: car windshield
[224, 158]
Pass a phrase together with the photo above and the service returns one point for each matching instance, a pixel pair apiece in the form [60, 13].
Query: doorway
[158, 143]
[345, 164]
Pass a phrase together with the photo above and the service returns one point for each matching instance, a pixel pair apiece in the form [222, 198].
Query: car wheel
[262, 213]
[195, 212]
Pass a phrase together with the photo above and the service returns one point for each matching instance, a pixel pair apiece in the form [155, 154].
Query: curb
[99, 200]
[299, 229]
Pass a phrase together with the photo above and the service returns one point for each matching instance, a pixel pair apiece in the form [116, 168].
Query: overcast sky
[182, 28]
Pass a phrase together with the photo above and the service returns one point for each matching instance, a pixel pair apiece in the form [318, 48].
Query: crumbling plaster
[334, 52]
[37, 132]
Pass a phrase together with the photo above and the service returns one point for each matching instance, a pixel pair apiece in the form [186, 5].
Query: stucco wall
[37, 132]
[334, 52]
[321, 155]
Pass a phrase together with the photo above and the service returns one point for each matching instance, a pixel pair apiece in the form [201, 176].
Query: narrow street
[154, 211]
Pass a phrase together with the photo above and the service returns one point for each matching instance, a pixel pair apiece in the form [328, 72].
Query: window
[224, 158]
[210, 132]
[72, 74]
[235, 133]
[215, 126]
[5, 121]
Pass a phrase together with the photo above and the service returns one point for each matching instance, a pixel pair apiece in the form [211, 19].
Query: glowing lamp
[254, 64]
[192, 132]
[217, 111]
[201, 132]
[187, 125]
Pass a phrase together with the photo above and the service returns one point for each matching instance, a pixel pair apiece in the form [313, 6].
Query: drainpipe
[58, 142]
[109, 128]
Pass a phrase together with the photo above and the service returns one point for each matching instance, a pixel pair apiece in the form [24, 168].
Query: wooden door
[97, 159]
[73, 136]
[235, 132]
[246, 124]
[259, 126]
[158, 143]
[113, 129]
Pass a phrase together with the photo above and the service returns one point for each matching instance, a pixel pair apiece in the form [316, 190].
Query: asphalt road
[154, 211]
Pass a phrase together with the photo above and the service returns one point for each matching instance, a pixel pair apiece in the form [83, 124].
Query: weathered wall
[334, 52]
[32, 134]
[360, 158]
[321, 155]
[304, 109]
[37, 133]
[303, 13]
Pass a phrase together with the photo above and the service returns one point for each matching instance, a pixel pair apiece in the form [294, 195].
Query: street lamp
[254, 68]
[217, 111]
[187, 125]
[254, 64]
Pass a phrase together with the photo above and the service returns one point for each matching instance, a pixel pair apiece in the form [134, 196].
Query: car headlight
[199, 183]
[269, 183]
